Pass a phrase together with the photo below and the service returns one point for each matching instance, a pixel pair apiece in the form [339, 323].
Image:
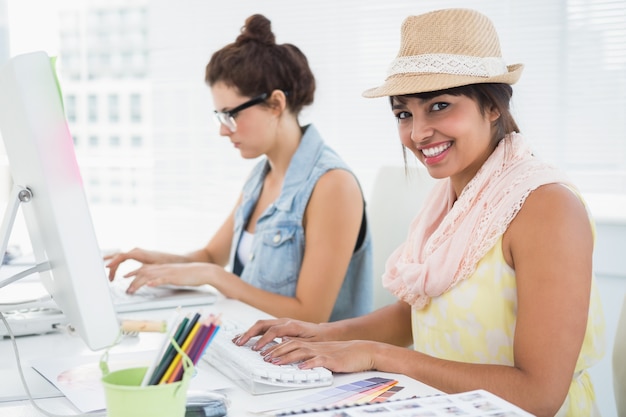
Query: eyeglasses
[227, 118]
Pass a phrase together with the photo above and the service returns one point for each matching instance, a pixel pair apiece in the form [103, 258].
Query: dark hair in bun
[257, 29]
[255, 64]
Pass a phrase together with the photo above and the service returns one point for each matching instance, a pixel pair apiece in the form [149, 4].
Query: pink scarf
[448, 238]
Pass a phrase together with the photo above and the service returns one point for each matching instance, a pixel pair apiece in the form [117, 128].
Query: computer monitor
[49, 190]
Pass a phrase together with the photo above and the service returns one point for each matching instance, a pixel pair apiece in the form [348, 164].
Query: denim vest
[278, 246]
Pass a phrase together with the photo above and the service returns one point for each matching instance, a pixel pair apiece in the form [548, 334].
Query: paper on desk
[79, 377]
[477, 403]
[13, 389]
[345, 386]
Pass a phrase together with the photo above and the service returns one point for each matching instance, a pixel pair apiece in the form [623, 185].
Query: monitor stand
[39, 387]
[18, 195]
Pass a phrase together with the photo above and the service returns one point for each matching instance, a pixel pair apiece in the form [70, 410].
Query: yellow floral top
[475, 322]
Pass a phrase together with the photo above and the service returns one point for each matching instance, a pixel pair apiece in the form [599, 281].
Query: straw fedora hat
[444, 49]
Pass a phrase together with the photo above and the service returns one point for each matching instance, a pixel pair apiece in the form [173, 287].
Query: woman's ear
[277, 101]
[494, 114]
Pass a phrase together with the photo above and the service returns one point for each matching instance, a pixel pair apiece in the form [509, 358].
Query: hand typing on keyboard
[150, 298]
[119, 287]
[248, 368]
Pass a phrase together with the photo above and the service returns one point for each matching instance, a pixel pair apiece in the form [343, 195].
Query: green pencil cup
[125, 397]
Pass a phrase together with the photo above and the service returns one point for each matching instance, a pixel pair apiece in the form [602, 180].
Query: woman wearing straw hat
[495, 280]
[297, 241]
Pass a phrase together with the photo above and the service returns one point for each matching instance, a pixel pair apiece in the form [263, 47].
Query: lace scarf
[448, 238]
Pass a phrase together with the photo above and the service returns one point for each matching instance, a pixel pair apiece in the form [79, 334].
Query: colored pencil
[170, 373]
[170, 353]
[172, 327]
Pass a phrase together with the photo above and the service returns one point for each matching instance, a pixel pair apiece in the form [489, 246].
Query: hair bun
[255, 64]
[257, 28]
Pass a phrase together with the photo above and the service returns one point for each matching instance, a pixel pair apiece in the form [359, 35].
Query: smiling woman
[480, 298]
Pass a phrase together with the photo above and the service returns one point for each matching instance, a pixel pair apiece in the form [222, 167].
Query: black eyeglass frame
[227, 118]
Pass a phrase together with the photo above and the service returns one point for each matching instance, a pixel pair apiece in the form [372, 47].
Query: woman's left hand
[349, 356]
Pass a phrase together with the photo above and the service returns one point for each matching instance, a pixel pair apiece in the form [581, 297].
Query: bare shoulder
[337, 184]
[336, 193]
[338, 179]
[553, 214]
[553, 201]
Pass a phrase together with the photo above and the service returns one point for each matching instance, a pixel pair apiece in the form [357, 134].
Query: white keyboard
[33, 321]
[247, 368]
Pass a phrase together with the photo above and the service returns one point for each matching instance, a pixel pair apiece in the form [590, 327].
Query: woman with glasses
[297, 243]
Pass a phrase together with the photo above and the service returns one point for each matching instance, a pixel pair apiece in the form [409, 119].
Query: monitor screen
[41, 156]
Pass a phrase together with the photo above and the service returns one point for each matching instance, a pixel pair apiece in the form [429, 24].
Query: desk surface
[13, 402]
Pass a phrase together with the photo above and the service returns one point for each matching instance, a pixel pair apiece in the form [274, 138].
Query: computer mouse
[206, 404]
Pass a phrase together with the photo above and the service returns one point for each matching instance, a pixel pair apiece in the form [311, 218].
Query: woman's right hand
[296, 346]
[286, 329]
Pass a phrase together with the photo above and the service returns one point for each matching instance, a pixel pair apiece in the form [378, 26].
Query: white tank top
[244, 247]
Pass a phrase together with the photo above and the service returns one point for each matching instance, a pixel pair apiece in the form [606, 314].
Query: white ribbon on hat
[448, 64]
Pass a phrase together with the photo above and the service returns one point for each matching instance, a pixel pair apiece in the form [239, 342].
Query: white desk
[63, 344]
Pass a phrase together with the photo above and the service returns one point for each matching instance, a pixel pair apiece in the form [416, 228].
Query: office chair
[396, 197]
[619, 363]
